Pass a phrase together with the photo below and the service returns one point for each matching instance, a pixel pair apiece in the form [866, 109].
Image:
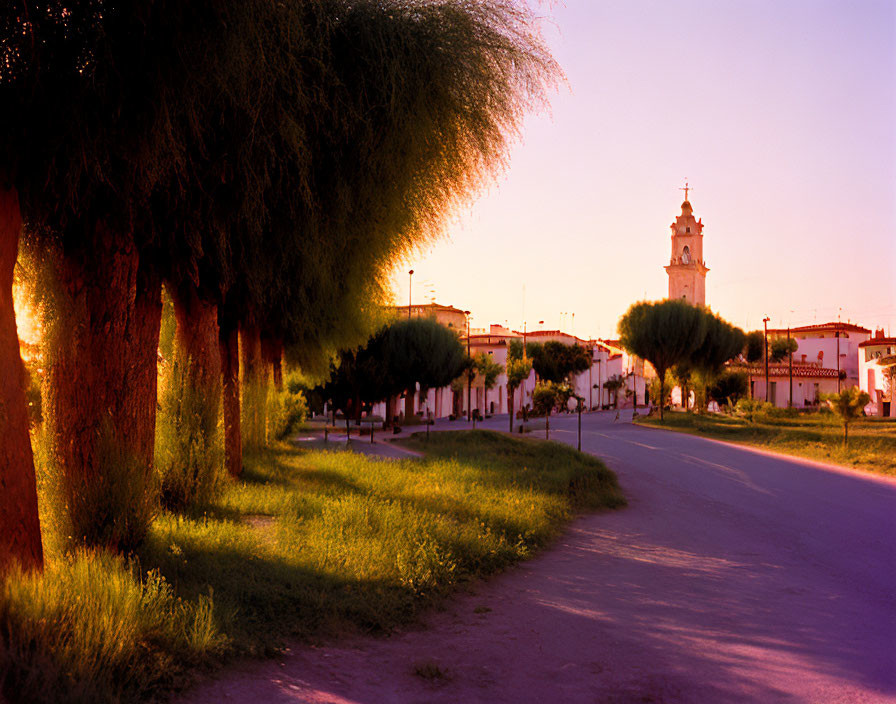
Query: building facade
[877, 373]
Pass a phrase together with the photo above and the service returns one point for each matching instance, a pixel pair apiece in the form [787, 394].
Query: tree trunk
[100, 389]
[845, 434]
[19, 523]
[254, 397]
[547, 426]
[272, 352]
[510, 406]
[197, 336]
[662, 375]
[390, 411]
[229, 346]
[144, 369]
[409, 396]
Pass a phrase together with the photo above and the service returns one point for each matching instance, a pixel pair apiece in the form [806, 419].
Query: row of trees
[397, 359]
[266, 161]
[673, 334]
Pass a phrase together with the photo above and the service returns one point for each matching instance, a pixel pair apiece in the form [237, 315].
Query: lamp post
[790, 365]
[590, 383]
[765, 346]
[469, 376]
[410, 290]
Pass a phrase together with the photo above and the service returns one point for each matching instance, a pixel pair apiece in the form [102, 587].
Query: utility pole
[837, 335]
[410, 290]
[765, 345]
[790, 355]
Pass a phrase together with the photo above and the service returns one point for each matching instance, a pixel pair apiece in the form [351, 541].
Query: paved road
[732, 576]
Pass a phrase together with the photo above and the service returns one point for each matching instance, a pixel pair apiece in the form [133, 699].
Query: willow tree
[664, 333]
[92, 142]
[43, 51]
[412, 106]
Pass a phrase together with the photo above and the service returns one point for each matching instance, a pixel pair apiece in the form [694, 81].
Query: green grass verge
[308, 545]
[872, 442]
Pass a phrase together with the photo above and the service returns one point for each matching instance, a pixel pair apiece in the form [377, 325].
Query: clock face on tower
[686, 255]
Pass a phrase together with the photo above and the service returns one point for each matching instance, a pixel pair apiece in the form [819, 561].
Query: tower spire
[686, 188]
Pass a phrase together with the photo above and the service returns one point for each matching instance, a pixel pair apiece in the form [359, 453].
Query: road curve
[732, 576]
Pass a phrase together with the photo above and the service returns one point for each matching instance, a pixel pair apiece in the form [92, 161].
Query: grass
[309, 545]
[872, 442]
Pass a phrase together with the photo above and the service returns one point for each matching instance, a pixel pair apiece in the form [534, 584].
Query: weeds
[816, 436]
[346, 543]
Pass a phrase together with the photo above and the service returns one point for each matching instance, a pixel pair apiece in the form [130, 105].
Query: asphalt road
[732, 576]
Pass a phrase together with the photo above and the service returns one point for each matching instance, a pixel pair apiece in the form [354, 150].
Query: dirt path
[730, 577]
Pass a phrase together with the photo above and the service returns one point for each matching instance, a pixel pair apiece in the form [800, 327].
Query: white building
[829, 346]
[877, 360]
[826, 361]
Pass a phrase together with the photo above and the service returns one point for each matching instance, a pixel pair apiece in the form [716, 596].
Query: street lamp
[469, 376]
[765, 345]
[410, 290]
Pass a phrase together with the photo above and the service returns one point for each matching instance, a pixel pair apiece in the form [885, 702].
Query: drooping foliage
[269, 159]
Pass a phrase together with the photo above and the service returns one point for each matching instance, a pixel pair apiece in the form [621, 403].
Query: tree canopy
[553, 361]
[674, 333]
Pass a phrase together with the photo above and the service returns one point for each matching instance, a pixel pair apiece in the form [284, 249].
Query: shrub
[112, 509]
[189, 441]
[286, 412]
[89, 629]
[752, 409]
[728, 388]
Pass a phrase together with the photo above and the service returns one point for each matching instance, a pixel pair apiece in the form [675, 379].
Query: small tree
[753, 346]
[518, 369]
[487, 371]
[556, 362]
[544, 400]
[613, 384]
[849, 405]
[781, 347]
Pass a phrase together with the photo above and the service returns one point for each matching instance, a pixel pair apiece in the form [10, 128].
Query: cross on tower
[686, 189]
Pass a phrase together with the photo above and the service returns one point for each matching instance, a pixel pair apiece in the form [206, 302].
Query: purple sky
[782, 115]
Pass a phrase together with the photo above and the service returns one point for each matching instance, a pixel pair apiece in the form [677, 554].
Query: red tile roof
[777, 370]
[823, 327]
[874, 341]
[434, 306]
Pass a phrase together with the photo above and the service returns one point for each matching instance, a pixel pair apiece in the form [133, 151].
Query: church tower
[687, 272]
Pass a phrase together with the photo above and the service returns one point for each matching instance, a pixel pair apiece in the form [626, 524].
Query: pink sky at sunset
[782, 115]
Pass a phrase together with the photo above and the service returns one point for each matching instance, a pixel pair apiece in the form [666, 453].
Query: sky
[782, 117]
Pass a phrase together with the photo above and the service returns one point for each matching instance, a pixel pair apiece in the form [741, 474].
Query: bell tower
[686, 269]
